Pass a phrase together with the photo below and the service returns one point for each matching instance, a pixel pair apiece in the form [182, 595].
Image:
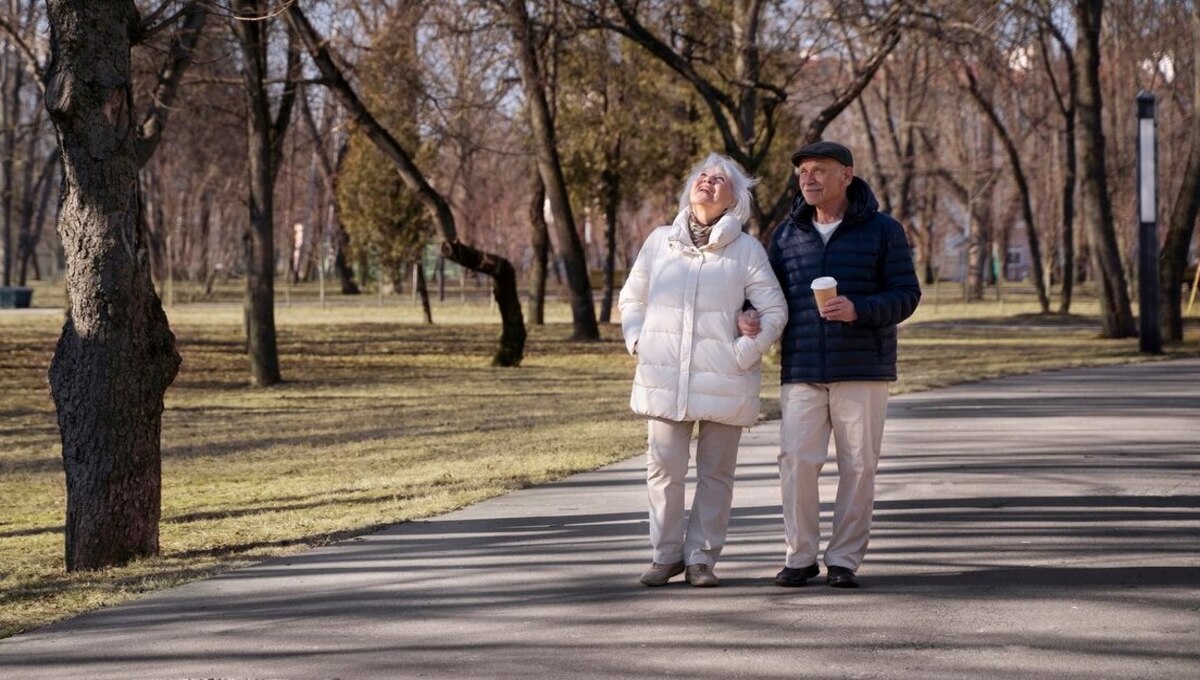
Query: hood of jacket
[862, 205]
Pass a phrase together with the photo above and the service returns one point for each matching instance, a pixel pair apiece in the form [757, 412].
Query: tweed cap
[832, 150]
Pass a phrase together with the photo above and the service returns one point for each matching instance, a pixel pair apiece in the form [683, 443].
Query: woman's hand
[748, 323]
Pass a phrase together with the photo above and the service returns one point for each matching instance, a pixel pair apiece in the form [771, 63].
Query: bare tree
[512, 338]
[746, 99]
[1116, 313]
[328, 163]
[549, 165]
[981, 95]
[265, 134]
[1066, 97]
[539, 239]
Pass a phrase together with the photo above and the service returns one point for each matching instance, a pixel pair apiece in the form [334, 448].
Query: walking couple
[699, 357]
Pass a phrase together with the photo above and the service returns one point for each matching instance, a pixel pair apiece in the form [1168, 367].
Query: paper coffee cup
[824, 288]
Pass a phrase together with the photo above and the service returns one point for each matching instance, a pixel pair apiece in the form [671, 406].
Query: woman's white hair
[739, 182]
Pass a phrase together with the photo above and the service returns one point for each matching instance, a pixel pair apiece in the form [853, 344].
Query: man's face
[823, 181]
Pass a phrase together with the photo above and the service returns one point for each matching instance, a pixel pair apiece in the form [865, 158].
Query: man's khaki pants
[667, 455]
[853, 412]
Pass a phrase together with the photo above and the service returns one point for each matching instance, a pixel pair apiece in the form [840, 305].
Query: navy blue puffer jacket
[870, 258]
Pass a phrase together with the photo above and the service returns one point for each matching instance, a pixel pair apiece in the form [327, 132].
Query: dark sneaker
[790, 577]
[701, 576]
[841, 577]
[659, 574]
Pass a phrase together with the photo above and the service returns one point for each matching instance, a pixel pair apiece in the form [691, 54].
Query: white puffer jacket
[679, 310]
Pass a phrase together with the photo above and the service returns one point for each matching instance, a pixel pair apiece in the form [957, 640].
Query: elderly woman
[679, 310]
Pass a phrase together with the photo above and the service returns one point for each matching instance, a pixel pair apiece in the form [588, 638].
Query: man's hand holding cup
[830, 305]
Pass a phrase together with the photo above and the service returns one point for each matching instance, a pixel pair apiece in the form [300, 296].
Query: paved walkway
[1034, 527]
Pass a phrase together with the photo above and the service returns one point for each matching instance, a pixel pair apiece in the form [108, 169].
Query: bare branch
[182, 50]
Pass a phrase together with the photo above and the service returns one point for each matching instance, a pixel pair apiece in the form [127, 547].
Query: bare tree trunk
[508, 300]
[33, 210]
[979, 201]
[1070, 173]
[265, 139]
[116, 356]
[612, 203]
[539, 239]
[423, 292]
[1172, 261]
[583, 311]
[13, 82]
[1116, 314]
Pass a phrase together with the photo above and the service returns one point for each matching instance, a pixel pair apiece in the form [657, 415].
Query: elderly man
[837, 357]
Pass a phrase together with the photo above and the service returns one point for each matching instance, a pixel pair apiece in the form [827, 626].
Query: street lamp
[1147, 179]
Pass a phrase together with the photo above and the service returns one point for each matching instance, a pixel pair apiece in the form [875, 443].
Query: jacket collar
[724, 232]
[862, 205]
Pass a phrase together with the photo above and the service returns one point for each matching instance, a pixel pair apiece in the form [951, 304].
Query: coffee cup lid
[824, 282]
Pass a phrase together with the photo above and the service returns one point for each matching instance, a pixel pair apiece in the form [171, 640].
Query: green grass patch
[383, 419]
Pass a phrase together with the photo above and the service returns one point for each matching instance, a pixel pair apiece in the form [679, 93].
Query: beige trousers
[668, 450]
[853, 412]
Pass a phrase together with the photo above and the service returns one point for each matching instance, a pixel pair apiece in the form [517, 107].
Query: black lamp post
[1147, 178]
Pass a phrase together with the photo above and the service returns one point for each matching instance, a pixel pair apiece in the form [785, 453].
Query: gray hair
[739, 182]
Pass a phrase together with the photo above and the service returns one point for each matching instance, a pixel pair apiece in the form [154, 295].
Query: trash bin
[15, 297]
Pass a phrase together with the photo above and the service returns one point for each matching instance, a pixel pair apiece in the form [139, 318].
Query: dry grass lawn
[383, 419]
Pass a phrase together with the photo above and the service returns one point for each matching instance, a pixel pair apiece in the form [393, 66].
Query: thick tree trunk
[539, 239]
[1095, 209]
[116, 356]
[583, 311]
[512, 338]
[1172, 261]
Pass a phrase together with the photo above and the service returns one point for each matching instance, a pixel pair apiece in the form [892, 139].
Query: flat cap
[832, 150]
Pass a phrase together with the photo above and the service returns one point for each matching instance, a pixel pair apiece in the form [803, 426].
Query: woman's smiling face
[712, 191]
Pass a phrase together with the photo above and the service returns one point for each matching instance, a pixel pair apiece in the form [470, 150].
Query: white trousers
[668, 450]
[853, 412]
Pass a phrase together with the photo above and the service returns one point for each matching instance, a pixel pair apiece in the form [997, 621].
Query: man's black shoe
[841, 577]
[794, 578]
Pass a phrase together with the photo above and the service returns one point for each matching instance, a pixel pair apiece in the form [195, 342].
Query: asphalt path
[1045, 526]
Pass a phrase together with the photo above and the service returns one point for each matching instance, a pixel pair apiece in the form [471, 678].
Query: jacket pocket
[745, 353]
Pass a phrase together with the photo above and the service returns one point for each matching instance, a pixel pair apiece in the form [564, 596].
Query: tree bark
[116, 356]
[13, 83]
[423, 291]
[512, 338]
[1172, 261]
[539, 240]
[1116, 314]
[611, 179]
[583, 310]
[611, 204]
